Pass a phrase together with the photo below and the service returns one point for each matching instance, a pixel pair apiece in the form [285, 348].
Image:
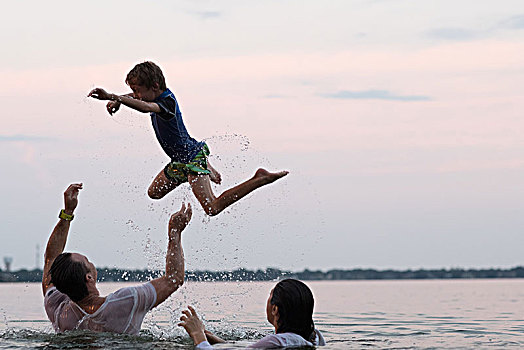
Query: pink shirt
[122, 312]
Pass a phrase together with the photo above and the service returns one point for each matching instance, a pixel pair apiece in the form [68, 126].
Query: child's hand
[99, 94]
[113, 106]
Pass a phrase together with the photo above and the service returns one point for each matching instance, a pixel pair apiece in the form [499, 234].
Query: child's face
[143, 93]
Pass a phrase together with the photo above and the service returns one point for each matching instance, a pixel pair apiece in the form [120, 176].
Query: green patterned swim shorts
[177, 172]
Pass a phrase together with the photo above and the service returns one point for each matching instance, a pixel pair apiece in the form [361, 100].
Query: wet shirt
[122, 312]
[280, 340]
[171, 132]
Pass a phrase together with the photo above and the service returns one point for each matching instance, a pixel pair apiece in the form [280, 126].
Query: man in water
[72, 300]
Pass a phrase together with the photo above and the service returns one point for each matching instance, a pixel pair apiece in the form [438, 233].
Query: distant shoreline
[271, 274]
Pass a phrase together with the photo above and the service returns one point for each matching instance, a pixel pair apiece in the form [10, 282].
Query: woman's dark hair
[295, 308]
[146, 74]
[69, 276]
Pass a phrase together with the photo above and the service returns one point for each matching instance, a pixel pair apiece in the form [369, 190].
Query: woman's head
[290, 308]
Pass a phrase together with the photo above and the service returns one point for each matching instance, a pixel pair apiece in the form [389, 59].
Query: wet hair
[295, 308]
[69, 277]
[146, 74]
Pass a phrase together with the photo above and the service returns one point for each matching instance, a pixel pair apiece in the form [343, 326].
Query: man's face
[143, 93]
[91, 269]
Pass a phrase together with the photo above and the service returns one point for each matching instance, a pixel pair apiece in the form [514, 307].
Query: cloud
[207, 14]
[462, 34]
[14, 138]
[515, 22]
[374, 95]
[451, 34]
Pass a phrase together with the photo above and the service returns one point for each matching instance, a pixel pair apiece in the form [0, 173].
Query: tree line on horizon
[271, 274]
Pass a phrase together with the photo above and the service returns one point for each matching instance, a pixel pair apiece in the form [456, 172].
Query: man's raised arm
[58, 239]
[174, 277]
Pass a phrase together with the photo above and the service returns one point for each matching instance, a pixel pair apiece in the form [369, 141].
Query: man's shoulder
[141, 297]
[54, 300]
[53, 294]
[144, 288]
[50, 290]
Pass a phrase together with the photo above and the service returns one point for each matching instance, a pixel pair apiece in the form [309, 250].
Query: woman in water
[289, 309]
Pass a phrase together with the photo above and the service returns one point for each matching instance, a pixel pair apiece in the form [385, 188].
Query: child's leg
[212, 206]
[161, 186]
[215, 175]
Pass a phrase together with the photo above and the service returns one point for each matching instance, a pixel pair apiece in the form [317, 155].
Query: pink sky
[445, 126]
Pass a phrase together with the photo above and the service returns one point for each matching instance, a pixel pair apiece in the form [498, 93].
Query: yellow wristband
[65, 216]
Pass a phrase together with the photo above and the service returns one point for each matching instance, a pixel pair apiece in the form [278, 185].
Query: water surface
[480, 314]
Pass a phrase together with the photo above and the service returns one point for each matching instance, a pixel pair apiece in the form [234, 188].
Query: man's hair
[69, 276]
[146, 74]
[295, 308]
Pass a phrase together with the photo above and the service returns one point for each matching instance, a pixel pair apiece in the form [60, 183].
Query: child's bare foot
[214, 176]
[269, 177]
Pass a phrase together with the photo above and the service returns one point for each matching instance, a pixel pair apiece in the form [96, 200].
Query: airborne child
[188, 157]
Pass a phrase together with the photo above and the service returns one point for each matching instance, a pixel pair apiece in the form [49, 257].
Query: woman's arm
[193, 325]
[212, 338]
[195, 328]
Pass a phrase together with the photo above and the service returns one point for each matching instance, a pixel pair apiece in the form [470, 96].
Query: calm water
[479, 314]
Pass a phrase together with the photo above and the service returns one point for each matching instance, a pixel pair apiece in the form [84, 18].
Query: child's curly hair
[146, 74]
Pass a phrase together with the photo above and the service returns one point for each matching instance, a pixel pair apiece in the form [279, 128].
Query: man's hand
[99, 94]
[193, 325]
[71, 198]
[180, 219]
[113, 106]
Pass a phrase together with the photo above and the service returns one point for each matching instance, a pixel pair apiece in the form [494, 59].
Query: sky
[400, 122]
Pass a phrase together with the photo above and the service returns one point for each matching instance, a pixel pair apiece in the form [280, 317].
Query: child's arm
[113, 106]
[139, 105]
